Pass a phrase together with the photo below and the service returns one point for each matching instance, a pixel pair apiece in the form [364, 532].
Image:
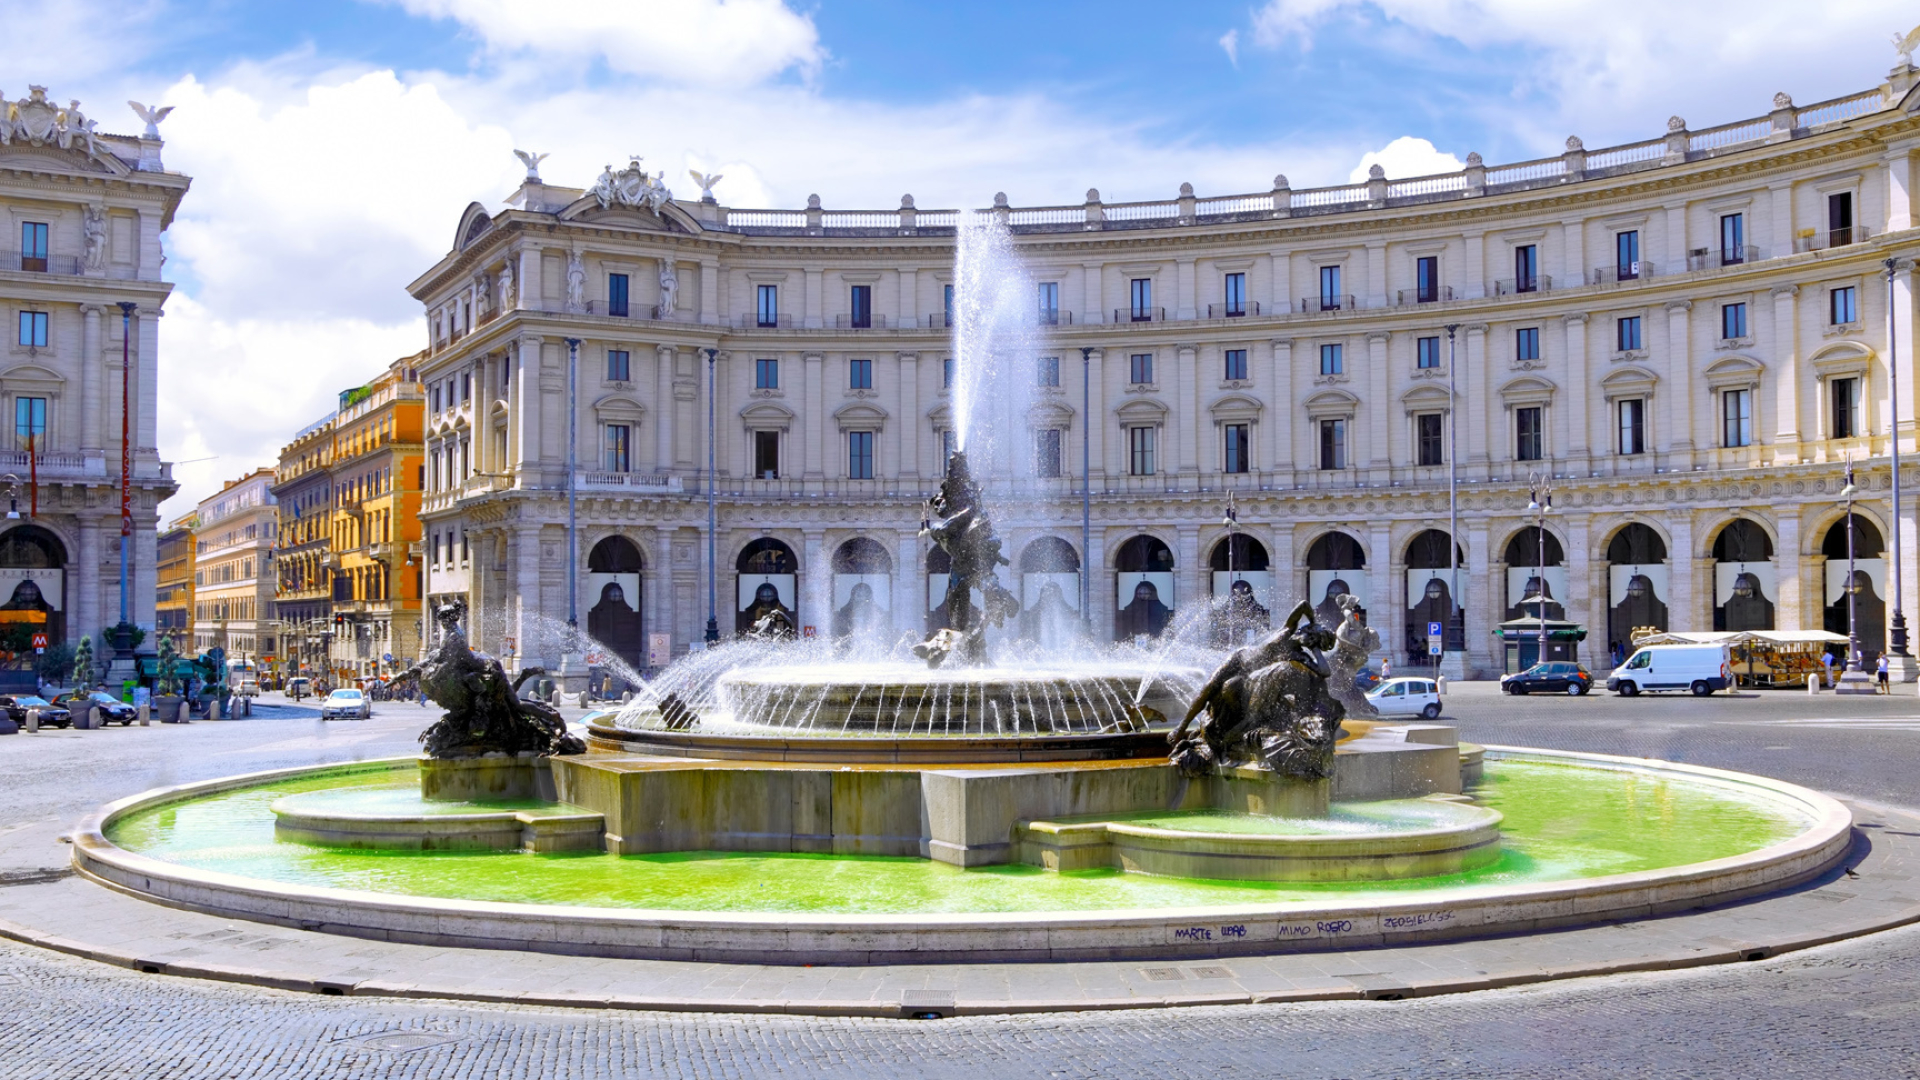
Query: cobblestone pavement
[1851, 1009]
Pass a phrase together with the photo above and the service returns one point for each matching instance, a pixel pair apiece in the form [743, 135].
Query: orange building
[376, 471]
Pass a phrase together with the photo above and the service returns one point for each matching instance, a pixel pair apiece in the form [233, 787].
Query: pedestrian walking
[1826, 660]
[1386, 669]
[1880, 673]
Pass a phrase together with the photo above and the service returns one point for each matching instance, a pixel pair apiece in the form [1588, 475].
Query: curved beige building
[1690, 336]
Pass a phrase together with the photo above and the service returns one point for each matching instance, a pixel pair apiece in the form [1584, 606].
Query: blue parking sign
[1433, 629]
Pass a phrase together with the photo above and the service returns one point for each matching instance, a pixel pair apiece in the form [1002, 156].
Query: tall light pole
[1540, 504]
[1853, 592]
[1897, 644]
[1086, 487]
[1231, 522]
[1457, 612]
[573, 482]
[126, 453]
[713, 612]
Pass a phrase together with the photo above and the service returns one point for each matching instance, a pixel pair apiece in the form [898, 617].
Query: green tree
[55, 666]
[168, 657]
[83, 673]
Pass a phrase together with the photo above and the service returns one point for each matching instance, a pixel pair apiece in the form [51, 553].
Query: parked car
[346, 704]
[1365, 680]
[1701, 669]
[51, 715]
[112, 709]
[301, 687]
[1407, 697]
[1555, 677]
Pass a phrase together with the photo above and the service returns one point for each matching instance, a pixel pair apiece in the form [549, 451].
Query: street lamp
[1897, 643]
[1540, 504]
[713, 614]
[1231, 522]
[1853, 590]
[126, 452]
[573, 482]
[1456, 616]
[1086, 488]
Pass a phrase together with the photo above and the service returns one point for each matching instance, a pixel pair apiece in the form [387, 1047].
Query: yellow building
[173, 593]
[375, 476]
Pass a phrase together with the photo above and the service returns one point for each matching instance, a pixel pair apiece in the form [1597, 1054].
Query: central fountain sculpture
[957, 521]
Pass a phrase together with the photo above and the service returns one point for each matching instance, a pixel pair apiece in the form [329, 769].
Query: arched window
[1145, 597]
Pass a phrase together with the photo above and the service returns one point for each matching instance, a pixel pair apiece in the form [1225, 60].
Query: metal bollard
[33, 719]
[213, 709]
[93, 719]
[186, 711]
[1813, 684]
[145, 711]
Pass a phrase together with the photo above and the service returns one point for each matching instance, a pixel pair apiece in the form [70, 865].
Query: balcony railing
[61, 265]
[1515, 286]
[1707, 259]
[628, 481]
[1313, 305]
[1233, 311]
[1053, 317]
[756, 321]
[1614, 275]
[1425, 296]
[1821, 239]
[848, 322]
[1146, 314]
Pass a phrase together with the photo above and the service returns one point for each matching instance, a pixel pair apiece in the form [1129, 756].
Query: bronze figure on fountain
[1267, 705]
[956, 519]
[485, 713]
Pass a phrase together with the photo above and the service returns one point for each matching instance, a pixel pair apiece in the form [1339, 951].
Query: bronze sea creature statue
[1266, 705]
[485, 713]
[957, 521]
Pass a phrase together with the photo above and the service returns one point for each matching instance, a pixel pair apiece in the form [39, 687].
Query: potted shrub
[166, 689]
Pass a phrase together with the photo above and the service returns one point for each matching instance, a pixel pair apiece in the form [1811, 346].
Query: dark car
[112, 709]
[1551, 678]
[51, 715]
[1366, 679]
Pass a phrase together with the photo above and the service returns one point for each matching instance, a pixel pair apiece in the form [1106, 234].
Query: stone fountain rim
[1464, 911]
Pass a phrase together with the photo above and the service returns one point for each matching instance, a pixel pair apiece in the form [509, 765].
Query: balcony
[1616, 275]
[1822, 239]
[1233, 311]
[761, 322]
[62, 266]
[1053, 317]
[638, 483]
[1313, 305]
[1706, 259]
[1517, 286]
[848, 322]
[1409, 297]
[1140, 314]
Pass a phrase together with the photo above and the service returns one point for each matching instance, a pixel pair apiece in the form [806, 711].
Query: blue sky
[335, 142]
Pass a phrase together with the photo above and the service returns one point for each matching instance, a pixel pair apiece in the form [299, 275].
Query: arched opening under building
[1144, 599]
[1049, 592]
[33, 601]
[1525, 577]
[1335, 564]
[1637, 586]
[1743, 577]
[862, 590]
[1430, 590]
[767, 583]
[1242, 587]
[1868, 586]
[613, 586]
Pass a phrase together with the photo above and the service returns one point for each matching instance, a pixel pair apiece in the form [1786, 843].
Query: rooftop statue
[1267, 705]
[152, 116]
[485, 713]
[532, 162]
[631, 186]
[1904, 44]
[958, 522]
[706, 182]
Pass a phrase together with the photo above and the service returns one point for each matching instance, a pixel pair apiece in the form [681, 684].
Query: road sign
[509, 646]
[388, 657]
[1433, 629]
[806, 631]
[1433, 646]
[39, 643]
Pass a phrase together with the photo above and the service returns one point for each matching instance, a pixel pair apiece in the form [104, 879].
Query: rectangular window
[1529, 433]
[1845, 395]
[1733, 321]
[766, 455]
[1236, 455]
[860, 305]
[1047, 372]
[1142, 368]
[946, 303]
[1426, 352]
[1046, 452]
[766, 310]
[860, 373]
[1526, 343]
[619, 447]
[1843, 306]
[33, 246]
[1733, 239]
[1627, 333]
[1329, 288]
[617, 294]
[29, 423]
[1049, 303]
[1142, 297]
[1526, 268]
[1626, 255]
[1427, 430]
[1236, 364]
[946, 372]
[1840, 219]
[766, 374]
[1140, 450]
[33, 329]
[1333, 360]
[947, 447]
[466, 386]
[1426, 279]
[1633, 426]
[1736, 418]
[1236, 295]
[1333, 444]
[859, 455]
[618, 367]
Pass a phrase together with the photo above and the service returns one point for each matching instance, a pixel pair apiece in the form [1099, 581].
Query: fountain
[775, 798]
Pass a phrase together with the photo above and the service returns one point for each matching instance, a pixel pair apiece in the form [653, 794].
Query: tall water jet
[993, 331]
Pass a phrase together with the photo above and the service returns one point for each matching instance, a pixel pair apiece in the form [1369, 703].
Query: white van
[1699, 668]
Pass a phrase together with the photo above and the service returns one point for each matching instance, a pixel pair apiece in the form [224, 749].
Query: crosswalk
[1856, 723]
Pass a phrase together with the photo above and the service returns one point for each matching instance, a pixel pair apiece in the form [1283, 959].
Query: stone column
[1377, 274]
[87, 587]
[525, 432]
[1786, 380]
[816, 300]
[524, 606]
[1789, 571]
[529, 289]
[1900, 190]
[1379, 428]
[1684, 607]
[1283, 422]
[1190, 573]
[1578, 418]
[1281, 296]
[1679, 438]
[1902, 356]
[146, 378]
[1475, 241]
[1187, 302]
[1579, 599]
[1100, 591]
[88, 412]
[1096, 421]
[662, 409]
[1093, 300]
[1574, 261]
[1186, 420]
[814, 421]
[909, 421]
[1383, 611]
[1287, 588]
[1470, 382]
[1677, 239]
[689, 421]
[1781, 213]
[1480, 609]
[711, 313]
[816, 582]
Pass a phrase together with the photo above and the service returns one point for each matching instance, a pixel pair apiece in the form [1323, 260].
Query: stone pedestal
[492, 778]
[1902, 669]
[1453, 665]
[573, 674]
[1856, 682]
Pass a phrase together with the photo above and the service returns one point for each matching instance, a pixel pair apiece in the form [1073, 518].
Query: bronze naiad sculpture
[1267, 705]
[1353, 642]
[958, 522]
[485, 713]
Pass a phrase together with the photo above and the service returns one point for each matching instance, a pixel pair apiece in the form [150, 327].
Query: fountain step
[399, 820]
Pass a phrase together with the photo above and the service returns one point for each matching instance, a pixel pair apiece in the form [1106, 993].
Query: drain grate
[1212, 971]
[1163, 974]
[401, 1042]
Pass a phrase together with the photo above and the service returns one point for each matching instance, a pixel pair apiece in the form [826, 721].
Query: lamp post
[1897, 629]
[1086, 488]
[126, 452]
[1456, 612]
[573, 482]
[1853, 592]
[1231, 522]
[713, 614]
[1540, 504]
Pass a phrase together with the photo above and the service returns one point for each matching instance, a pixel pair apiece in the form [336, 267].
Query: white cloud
[686, 41]
[1406, 156]
[1230, 41]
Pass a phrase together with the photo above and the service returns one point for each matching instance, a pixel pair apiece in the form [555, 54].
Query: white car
[346, 705]
[1406, 697]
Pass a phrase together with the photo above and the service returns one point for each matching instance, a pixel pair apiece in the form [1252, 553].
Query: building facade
[303, 555]
[80, 279]
[1686, 340]
[173, 595]
[375, 474]
[233, 573]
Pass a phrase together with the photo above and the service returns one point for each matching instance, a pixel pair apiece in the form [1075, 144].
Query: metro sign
[39, 643]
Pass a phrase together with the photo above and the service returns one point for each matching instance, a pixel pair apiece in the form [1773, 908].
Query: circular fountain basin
[1585, 838]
